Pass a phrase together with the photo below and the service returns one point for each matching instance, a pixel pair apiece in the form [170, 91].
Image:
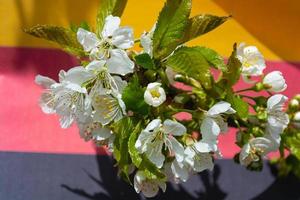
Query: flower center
[154, 93]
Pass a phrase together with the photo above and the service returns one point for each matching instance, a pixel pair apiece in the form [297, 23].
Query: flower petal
[219, 108]
[154, 124]
[176, 148]
[203, 162]
[276, 102]
[111, 25]
[107, 109]
[173, 127]
[87, 39]
[95, 66]
[143, 140]
[77, 75]
[209, 129]
[44, 81]
[180, 172]
[205, 147]
[123, 38]
[119, 62]
[66, 121]
[154, 153]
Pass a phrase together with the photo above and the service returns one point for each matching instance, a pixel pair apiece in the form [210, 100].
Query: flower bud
[154, 94]
[274, 82]
[294, 105]
[296, 119]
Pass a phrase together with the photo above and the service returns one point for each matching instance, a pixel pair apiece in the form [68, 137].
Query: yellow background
[272, 25]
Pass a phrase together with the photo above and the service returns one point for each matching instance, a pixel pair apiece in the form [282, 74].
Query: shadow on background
[112, 187]
[115, 188]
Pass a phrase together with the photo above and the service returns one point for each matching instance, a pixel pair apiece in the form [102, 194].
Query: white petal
[123, 38]
[44, 81]
[176, 148]
[276, 102]
[162, 186]
[119, 62]
[209, 129]
[107, 109]
[275, 81]
[66, 121]
[219, 108]
[87, 39]
[203, 162]
[204, 147]
[143, 140]
[154, 153]
[154, 124]
[111, 25]
[95, 66]
[261, 143]
[244, 157]
[47, 102]
[120, 84]
[75, 87]
[173, 127]
[180, 172]
[146, 42]
[77, 75]
[189, 156]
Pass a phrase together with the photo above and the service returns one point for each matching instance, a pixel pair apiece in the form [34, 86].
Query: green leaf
[202, 24]
[133, 97]
[238, 104]
[190, 61]
[66, 38]
[145, 61]
[135, 155]
[170, 27]
[232, 75]
[108, 7]
[122, 129]
[83, 24]
[213, 58]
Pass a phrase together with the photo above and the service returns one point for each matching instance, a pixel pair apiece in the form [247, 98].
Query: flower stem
[244, 90]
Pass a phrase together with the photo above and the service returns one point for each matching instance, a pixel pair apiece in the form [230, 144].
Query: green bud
[182, 98]
[260, 86]
[150, 75]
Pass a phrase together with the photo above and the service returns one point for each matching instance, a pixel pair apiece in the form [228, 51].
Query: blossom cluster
[127, 101]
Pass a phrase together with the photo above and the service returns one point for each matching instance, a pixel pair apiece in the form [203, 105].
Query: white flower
[46, 102]
[147, 186]
[111, 44]
[213, 123]
[252, 60]
[154, 94]
[198, 156]
[255, 148]
[106, 94]
[276, 116]
[275, 82]
[146, 41]
[152, 139]
[67, 98]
